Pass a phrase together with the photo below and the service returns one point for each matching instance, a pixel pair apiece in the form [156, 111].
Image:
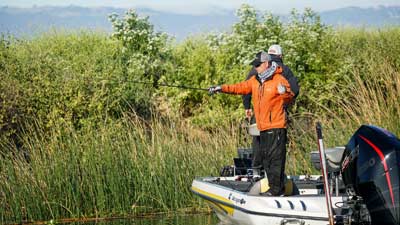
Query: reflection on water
[174, 220]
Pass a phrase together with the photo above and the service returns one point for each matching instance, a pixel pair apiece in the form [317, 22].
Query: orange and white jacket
[267, 102]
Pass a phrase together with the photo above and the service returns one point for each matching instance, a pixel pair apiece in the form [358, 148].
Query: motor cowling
[370, 167]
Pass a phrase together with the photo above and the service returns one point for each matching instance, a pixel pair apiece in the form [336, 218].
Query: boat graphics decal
[237, 200]
[383, 160]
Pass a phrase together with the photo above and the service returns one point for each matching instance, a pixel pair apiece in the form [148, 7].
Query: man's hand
[281, 89]
[249, 113]
[214, 89]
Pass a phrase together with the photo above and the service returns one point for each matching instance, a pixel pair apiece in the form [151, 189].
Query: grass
[123, 168]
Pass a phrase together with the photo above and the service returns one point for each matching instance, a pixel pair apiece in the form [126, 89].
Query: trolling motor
[371, 172]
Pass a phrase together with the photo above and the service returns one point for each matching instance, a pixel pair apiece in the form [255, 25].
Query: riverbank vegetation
[80, 138]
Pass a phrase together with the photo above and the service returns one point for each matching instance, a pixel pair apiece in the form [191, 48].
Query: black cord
[169, 85]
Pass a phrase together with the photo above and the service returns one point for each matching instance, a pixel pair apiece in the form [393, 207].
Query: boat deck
[245, 186]
[242, 186]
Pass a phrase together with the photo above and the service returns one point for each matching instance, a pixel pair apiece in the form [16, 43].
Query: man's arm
[288, 74]
[242, 88]
[284, 90]
[247, 98]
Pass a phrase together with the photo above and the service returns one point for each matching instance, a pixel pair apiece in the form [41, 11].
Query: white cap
[275, 50]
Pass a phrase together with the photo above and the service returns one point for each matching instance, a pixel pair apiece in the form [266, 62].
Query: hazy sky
[204, 6]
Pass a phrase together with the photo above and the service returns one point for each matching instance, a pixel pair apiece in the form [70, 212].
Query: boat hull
[237, 207]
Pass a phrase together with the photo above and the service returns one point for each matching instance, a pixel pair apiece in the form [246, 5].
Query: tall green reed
[121, 168]
[373, 97]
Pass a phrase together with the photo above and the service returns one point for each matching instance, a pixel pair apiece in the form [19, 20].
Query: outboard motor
[370, 168]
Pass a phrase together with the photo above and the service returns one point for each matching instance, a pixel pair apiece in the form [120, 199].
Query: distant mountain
[38, 19]
[354, 16]
[27, 21]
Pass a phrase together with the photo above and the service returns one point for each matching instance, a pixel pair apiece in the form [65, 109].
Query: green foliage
[309, 49]
[145, 56]
[196, 65]
[249, 35]
[143, 49]
[60, 78]
[9, 111]
[80, 79]
[137, 35]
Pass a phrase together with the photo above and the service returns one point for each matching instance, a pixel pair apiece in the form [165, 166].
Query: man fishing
[270, 93]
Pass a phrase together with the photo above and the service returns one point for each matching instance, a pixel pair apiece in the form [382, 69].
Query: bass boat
[359, 185]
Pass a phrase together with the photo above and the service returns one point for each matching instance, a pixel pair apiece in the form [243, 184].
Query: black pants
[271, 155]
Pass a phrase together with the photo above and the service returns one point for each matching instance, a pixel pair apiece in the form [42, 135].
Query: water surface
[162, 220]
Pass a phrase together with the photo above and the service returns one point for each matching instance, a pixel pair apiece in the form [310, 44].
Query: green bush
[64, 78]
[145, 57]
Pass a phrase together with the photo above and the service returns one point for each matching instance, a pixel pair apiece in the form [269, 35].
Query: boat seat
[333, 159]
[262, 186]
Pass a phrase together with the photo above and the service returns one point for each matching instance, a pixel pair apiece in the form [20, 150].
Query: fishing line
[162, 84]
[170, 85]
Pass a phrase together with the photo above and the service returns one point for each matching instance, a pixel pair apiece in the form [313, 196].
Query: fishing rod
[169, 85]
[322, 157]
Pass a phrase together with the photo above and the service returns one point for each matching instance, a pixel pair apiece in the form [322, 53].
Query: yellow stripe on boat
[226, 208]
